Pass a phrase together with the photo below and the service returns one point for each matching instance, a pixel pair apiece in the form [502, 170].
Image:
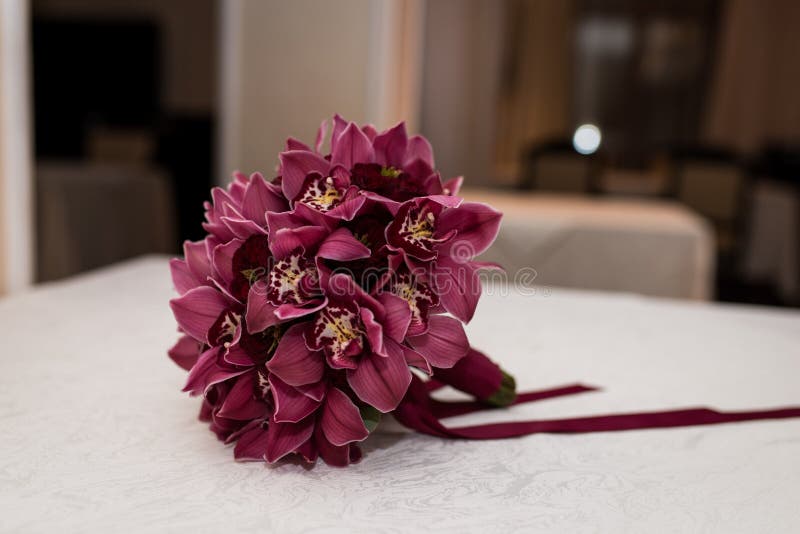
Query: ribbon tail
[444, 409]
[421, 413]
[618, 422]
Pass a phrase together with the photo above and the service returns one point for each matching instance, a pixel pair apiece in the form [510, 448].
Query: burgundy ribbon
[421, 412]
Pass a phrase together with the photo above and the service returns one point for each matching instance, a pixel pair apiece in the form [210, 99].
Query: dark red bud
[477, 375]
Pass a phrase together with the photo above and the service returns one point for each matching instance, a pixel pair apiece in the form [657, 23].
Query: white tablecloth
[645, 246]
[98, 438]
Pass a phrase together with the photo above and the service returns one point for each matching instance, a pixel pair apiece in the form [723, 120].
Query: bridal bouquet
[316, 293]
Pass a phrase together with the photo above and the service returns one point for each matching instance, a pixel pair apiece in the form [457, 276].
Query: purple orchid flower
[441, 237]
[354, 333]
[320, 184]
[312, 296]
[319, 420]
[290, 289]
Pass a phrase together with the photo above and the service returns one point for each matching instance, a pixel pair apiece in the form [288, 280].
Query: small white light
[586, 139]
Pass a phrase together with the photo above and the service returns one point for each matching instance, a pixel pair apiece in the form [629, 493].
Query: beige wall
[16, 227]
[289, 65]
[463, 52]
[3, 135]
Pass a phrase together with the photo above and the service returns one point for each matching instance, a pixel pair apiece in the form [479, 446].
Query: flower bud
[477, 375]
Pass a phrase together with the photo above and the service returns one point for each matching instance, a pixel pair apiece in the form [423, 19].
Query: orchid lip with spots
[321, 294]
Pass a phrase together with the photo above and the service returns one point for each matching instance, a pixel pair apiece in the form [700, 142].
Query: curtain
[535, 95]
[757, 78]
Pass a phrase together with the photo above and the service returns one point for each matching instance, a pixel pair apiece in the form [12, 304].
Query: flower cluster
[313, 294]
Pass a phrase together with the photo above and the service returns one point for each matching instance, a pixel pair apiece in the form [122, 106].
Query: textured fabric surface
[97, 436]
[650, 247]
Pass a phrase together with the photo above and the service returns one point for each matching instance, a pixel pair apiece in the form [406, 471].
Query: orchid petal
[315, 391]
[252, 445]
[374, 331]
[453, 186]
[348, 208]
[296, 144]
[381, 382]
[236, 355]
[239, 178]
[339, 125]
[370, 131]
[285, 241]
[344, 287]
[185, 352]
[390, 146]
[238, 186]
[293, 362]
[321, 133]
[296, 165]
[284, 312]
[284, 438]
[260, 314]
[182, 277]
[218, 230]
[223, 202]
[415, 359]
[207, 372]
[223, 290]
[352, 147]
[259, 198]
[446, 200]
[433, 184]
[445, 342]
[197, 310]
[242, 228]
[310, 216]
[283, 220]
[341, 245]
[392, 205]
[424, 173]
[341, 421]
[223, 260]
[335, 456]
[308, 451]
[458, 286]
[197, 259]
[476, 223]
[291, 404]
[240, 403]
[419, 148]
[398, 316]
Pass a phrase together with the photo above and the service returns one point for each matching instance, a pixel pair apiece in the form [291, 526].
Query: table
[772, 247]
[98, 438]
[91, 214]
[650, 247]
